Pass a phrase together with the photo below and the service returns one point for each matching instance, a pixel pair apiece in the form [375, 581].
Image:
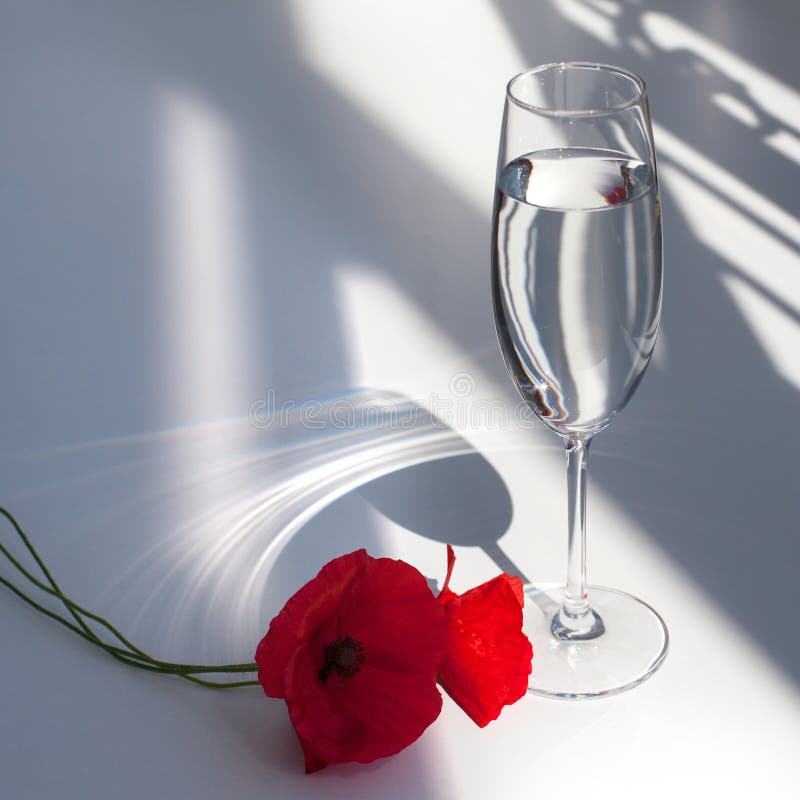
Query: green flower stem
[133, 651]
[128, 653]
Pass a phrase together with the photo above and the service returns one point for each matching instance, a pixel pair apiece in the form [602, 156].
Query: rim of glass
[578, 112]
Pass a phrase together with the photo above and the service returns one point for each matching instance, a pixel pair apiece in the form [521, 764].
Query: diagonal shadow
[710, 433]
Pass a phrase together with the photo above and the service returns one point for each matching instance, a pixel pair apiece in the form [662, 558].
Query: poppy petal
[488, 657]
[395, 708]
[329, 732]
[393, 612]
[517, 587]
[302, 615]
[313, 762]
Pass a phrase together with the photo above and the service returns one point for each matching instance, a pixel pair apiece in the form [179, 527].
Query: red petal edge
[307, 610]
[488, 657]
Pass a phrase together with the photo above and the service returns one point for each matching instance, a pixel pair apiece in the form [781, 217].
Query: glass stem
[575, 597]
[576, 619]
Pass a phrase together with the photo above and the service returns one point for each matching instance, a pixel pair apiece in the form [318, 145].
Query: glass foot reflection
[630, 649]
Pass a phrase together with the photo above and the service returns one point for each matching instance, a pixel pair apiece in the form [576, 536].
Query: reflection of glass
[577, 297]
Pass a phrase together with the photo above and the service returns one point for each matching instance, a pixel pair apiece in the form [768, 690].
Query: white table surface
[204, 206]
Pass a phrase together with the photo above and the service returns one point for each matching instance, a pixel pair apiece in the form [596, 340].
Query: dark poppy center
[344, 657]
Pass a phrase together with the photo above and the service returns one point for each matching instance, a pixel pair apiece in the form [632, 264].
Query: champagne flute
[576, 279]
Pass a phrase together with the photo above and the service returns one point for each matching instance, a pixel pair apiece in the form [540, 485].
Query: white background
[207, 205]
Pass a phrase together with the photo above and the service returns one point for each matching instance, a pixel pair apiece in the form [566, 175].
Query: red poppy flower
[488, 657]
[355, 654]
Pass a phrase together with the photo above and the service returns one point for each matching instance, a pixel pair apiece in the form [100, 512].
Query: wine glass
[576, 279]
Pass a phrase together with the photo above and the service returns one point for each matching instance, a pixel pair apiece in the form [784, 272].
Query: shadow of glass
[460, 500]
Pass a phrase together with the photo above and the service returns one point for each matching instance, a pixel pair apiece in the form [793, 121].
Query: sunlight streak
[777, 332]
[767, 92]
[731, 187]
[588, 20]
[201, 295]
[756, 254]
[641, 46]
[737, 238]
[459, 58]
[204, 309]
[736, 108]
[785, 143]
[609, 7]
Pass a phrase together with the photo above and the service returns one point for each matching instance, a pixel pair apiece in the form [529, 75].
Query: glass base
[632, 646]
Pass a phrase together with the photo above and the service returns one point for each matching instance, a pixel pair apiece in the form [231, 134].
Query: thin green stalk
[135, 652]
[128, 653]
